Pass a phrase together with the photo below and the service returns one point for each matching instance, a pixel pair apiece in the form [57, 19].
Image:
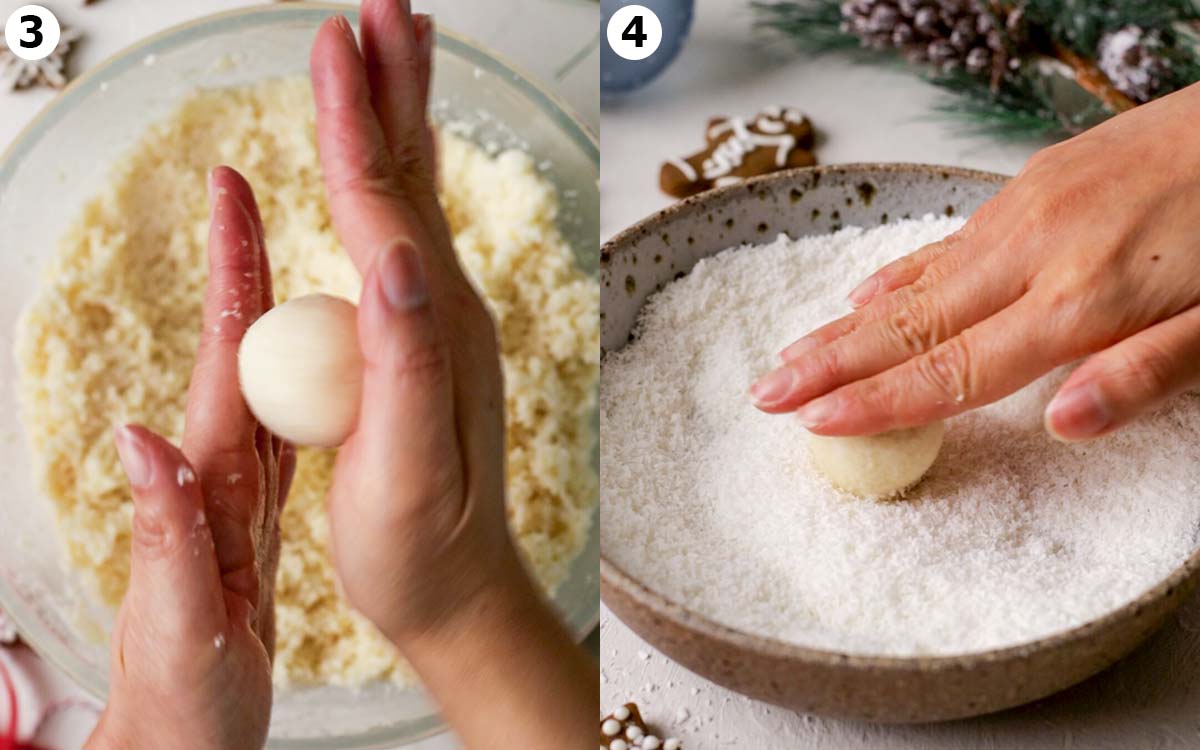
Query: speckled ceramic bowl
[814, 201]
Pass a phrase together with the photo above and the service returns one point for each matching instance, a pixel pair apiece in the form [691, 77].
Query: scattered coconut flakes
[1011, 536]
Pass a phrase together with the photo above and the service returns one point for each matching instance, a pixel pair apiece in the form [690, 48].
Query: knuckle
[370, 172]
[1051, 205]
[826, 364]
[916, 327]
[848, 324]
[819, 369]
[427, 361]
[932, 275]
[935, 250]
[946, 370]
[1071, 309]
[1043, 212]
[405, 65]
[358, 184]
[152, 536]
[409, 152]
[1040, 160]
[228, 269]
[1050, 159]
[1146, 368]
[878, 395]
[840, 328]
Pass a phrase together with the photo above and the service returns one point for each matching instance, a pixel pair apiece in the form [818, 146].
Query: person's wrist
[500, 599]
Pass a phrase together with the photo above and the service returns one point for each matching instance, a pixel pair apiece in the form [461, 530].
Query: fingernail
[402, 278]
[800, 347]
[1077, 413]
[133, 457]
[816, 413]
[862, 293]
[344, 24]
[773, 387]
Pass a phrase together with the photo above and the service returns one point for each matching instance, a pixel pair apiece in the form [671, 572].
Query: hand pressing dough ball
[301, 369]
[877, 465]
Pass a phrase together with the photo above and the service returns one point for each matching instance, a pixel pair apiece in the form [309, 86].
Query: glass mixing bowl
[62, 159]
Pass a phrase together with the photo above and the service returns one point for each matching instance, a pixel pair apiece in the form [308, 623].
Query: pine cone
[1133, 60]
[983, 37]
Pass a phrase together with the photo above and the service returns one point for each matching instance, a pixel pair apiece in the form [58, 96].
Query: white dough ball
[878, 465]
[301, 369]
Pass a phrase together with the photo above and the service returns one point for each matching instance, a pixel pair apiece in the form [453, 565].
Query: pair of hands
[417, 514]
[1093, 249]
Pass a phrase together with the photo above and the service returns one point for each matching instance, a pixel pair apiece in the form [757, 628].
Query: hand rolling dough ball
[301, 369]
[877, 465]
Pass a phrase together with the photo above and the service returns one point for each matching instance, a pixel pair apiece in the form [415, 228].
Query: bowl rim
[10, 156]
[787, 176]
[17, 150]
[612, 576]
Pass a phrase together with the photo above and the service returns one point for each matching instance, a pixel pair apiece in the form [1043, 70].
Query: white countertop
[111, 25]
[863, 113]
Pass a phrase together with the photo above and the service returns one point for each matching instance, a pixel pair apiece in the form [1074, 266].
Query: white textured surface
[1149, 700]
[1011, 536]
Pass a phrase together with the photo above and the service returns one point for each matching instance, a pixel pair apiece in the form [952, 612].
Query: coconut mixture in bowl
[111, 335]
[1010, 537]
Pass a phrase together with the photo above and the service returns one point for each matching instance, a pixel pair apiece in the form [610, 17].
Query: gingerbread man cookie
[778, 138]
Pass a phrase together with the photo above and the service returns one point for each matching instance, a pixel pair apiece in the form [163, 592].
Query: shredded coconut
[111, 338]
[1011, 536]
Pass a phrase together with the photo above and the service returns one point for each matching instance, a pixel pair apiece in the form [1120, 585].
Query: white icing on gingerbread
[729, 153]
[684, 168]
[767, 125]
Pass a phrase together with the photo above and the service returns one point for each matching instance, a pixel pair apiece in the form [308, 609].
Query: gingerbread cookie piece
[778, 138]
[624, 729]
[17, 74]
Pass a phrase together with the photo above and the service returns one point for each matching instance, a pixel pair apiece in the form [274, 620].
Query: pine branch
[1016, 110]
[1092, 80]
[1183, 57]
[1079, 24]
[1032, 100]
[1184, 70]
[814, 26]
[1008, 111]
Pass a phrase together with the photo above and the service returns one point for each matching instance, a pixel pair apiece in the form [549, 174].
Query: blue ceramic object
[618, 75]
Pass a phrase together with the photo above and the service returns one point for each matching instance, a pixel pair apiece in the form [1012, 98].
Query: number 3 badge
[32, 32]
